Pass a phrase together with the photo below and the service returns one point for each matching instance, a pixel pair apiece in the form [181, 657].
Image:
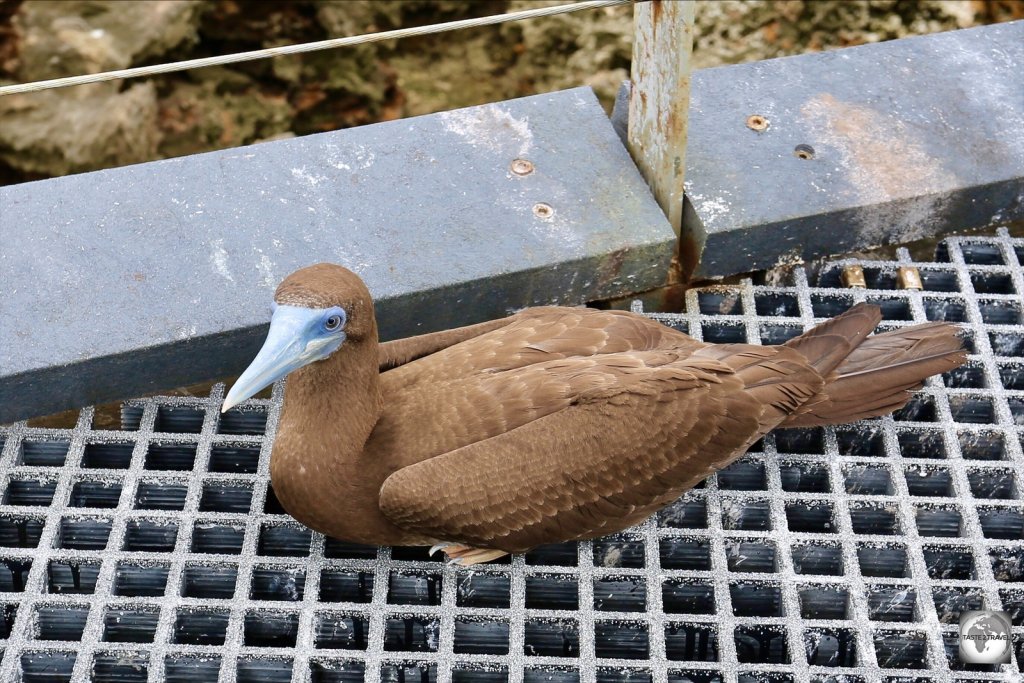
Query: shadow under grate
[840, 554]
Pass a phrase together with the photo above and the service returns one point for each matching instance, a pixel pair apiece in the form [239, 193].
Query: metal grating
[825, 555]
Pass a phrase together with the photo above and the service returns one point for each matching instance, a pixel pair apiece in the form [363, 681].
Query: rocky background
[85, 128]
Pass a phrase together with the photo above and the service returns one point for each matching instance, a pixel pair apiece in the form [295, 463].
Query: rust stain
[139, 277]
[884, 158]
[655, 16]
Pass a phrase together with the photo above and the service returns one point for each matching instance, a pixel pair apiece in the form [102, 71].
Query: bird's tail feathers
[878, 374]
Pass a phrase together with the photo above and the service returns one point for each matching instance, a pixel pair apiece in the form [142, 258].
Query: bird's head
[316, 311]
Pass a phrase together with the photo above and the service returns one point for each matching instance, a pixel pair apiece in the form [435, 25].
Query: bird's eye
[332, 323]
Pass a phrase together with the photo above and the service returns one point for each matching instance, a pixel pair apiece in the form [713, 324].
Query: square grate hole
[626, 594]
[1010, 344]
[982, 254]
[878, 560]
[988, 282]
[804, 477]
[862, 441]
[756, 599]
[120, 667]
[949, 562]
[155, 536]
[724, 333]
[20, 532]
[892, 308]
[481, 637]
[946, 309]
[278, 583]
[933, 520]
[615, 552]
[1012, 376]
[47, 667]
[552, 591]
[691, 642]
[234, 459]
[108, 455]
[270, 628]
[681, 596]
[411, 634]
[831, 647]
[29, 492]
[552, 638]
[483, 590]
[71, 577]
[262, 670]
[414, 588]
[178, 420]
[13, 575]
[83, 533]
[618, 640]
[825, 306]
[1000, 312]
[225, 497]
[339, 631]
[161, 495]
[209, 582]
[935, 482]
[243, 421]
[811, 517]
[982, 445]
[1007, 563]
[968, 376]
[689, 512]
[284, 540]
[200, 627]
[892, 603]
[191, 669]
[972, 409]
[140, 580]
[180, 457]
[217, 539]
[743, 475]
[761, 645]
[922, 444]
[993, 482]
[874, 519]
[66, 622]
[723, 302]
[809, 441]
[901, 649]
[43, 453]
[920, 408]
[745, 515]
[868, 480]
[756, 556]
[777, 304]
[95, 494]
[824, 602]
[341, 585]
[812, 558]
[951, 602]
[130, 625]
[772, 335]
[1002, 523]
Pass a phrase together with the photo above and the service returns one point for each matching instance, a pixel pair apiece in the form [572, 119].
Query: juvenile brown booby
[553, 424]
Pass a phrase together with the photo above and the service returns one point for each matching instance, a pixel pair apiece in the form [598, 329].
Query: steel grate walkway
[157, 553]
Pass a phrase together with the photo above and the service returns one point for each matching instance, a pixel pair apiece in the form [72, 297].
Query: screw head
[542, 210]
[757, 122]
[522, 166]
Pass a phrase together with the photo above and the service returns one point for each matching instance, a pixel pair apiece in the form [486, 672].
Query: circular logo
[984, 637]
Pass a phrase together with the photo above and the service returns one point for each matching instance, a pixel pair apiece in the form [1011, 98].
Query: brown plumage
[556, 423]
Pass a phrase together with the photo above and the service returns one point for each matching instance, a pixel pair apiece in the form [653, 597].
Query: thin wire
[307, 47]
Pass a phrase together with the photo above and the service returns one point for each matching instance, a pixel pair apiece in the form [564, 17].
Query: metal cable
[307, 47]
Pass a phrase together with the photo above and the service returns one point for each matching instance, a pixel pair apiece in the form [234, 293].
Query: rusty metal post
[660, 99]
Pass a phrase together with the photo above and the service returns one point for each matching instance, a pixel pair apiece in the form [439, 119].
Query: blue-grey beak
[291, 343]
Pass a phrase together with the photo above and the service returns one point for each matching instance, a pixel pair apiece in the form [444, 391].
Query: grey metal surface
[121, 282]
[911, 138]
[870, 536]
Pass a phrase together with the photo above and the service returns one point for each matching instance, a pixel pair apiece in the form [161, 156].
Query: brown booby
[551, 425]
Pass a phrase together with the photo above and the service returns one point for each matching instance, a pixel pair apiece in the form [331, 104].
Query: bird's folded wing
[598, 466]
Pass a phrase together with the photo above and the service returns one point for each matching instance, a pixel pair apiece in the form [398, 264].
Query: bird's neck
[330, 409]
